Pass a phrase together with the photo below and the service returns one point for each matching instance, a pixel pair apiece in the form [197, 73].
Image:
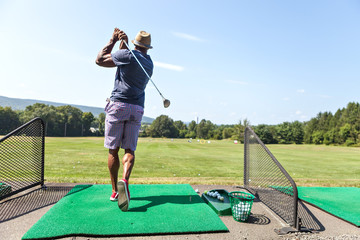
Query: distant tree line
[341, 128]
[59, 121]
[164, 126]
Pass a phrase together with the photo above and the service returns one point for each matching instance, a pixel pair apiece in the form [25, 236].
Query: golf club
[166, 102]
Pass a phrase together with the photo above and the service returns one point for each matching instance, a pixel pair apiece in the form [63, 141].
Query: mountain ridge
[21, 104]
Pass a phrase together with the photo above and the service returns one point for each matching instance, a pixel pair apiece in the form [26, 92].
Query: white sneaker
[124, 195]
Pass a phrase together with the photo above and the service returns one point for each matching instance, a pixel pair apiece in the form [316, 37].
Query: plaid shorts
[122, 125]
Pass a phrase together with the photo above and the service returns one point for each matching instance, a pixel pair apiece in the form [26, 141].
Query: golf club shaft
[143, 69]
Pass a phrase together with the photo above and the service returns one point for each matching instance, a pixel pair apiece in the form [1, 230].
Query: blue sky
[265, 61]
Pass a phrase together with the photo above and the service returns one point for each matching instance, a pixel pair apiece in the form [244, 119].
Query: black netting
[267, 179]
[22, 158]
[31, 200]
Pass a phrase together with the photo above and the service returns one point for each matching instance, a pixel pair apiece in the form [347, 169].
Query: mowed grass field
[84, 160]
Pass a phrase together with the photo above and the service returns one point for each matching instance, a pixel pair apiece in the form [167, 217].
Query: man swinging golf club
[125, 108]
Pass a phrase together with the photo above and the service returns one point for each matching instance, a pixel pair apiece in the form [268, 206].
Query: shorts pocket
[106, 107]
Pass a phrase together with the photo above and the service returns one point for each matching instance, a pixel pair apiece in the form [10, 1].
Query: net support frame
[266, 178]
[22, 158]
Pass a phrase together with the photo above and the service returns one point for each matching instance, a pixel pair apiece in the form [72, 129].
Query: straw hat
[143, 39]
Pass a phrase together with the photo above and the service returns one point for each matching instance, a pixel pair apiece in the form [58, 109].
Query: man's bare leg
[123, 185]
[113, 165]
[128, 163]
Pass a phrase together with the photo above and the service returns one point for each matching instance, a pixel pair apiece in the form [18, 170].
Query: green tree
[297, 131]
[86, 119]
[205, 129]
[345, 132]
[71, 118]
[266, 133]
[290, 132]
[227, 132]
[101, 123]
[324, 120]
[341, 128]
[331, 136]
[182, 128]
[318, 137]
[163, 126]
[284, 133]
[352, 114]
[47, 113]
[191, 133]
[309, 129]
[217, 133]
[9, 120]
[239, 130]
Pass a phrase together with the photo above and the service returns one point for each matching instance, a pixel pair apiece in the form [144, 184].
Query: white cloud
[187, 37]
[169, 66]
[324, 96]
[300, 90]
[298, 112]
[286, 99]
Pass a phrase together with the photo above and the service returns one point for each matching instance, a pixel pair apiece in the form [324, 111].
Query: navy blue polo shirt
[130, 79]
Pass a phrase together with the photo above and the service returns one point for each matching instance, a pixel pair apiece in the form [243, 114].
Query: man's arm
[103, 58]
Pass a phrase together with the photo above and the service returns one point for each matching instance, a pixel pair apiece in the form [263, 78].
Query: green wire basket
[241, 203]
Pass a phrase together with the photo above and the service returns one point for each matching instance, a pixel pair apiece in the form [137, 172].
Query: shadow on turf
[159, 200]
[31, 201]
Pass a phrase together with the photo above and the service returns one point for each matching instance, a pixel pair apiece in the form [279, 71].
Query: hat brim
[139, 44]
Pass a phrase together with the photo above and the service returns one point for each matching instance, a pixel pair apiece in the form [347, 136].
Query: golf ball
[218, 197]
[222, 199]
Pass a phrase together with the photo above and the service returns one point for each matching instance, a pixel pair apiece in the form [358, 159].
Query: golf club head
[166, 103]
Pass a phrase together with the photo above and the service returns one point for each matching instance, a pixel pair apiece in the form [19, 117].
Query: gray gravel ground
[262, 225]
[302, 236]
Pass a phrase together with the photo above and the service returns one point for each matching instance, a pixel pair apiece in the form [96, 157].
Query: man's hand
[115, 35]
[124, 37]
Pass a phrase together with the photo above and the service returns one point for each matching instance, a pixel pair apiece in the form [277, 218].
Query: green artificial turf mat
[342, 202]
[154, 209]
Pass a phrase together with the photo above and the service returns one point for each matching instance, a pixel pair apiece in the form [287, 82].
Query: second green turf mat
[340, 201]
[154, 209]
